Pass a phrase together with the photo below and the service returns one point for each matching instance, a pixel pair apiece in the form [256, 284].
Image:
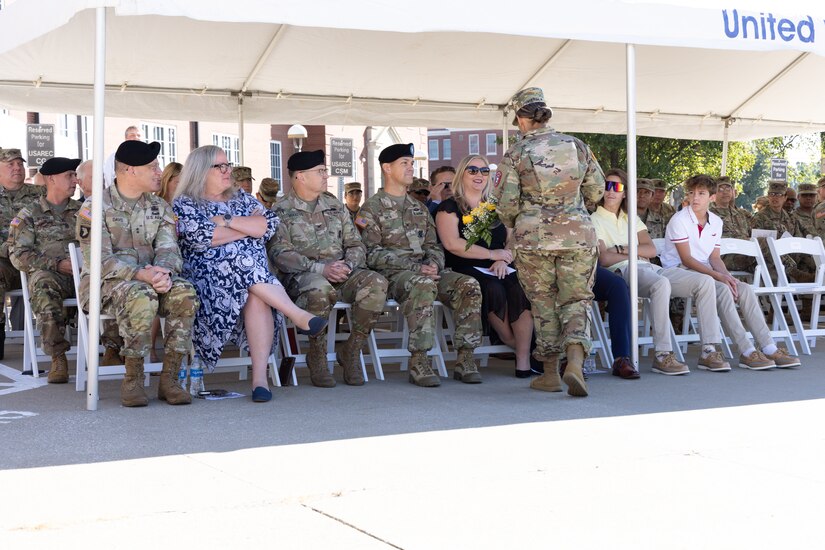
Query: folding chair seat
[762, 286]
[812, 247]
[32, 353]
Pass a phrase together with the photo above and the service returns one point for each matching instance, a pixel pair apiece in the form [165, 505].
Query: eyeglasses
[474, 170]
[776, 194]
[224, 167]
[321, 171]
[616, 186]
[421, 192]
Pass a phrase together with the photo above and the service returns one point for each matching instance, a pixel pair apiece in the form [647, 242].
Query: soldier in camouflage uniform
[399, 234]
[352, 198]
[14, 195]
[39, 238]
[735, 225]
[658, 204]
[242, 177]
[804, 215]
[321, 260]
[541, 186]
[776, 218]
[268, 192]
[656, 222]
[140, 263]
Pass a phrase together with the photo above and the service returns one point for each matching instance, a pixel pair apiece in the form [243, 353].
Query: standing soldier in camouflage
[655, 221]
[321, 260]
[39, 239]
[242, 177]
[735, 225]
[776, 218]
[268, 192]
[658, 204]
[352, 198]
[399, 234]
[140, 263]
[541, 185]
[14, 195]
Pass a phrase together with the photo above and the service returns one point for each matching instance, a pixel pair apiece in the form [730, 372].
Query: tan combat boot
[550, 380]
[169, 390]
[573, 375]
[466, 369]
[110, 358]
[350, 359]
[317, 362]
[421, 374]
[131, 390]
[59, 373]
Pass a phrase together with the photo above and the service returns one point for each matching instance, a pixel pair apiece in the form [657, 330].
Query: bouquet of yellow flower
[478, 222]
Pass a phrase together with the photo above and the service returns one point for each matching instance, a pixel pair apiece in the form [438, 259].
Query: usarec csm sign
[40, 143]
[341, 157]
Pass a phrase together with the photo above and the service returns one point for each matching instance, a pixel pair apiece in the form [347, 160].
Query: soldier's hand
[430, 271]
[336, 272]
[162, 282]
[64, 266]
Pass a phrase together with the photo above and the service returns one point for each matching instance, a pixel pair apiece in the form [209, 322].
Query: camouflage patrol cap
[644, 183]
[807, 189]
[269, 189]
[419, 184]
[777, 187]
[240, 173]
[352, 186]
[659, 184]
[527, 96]
[8, 155]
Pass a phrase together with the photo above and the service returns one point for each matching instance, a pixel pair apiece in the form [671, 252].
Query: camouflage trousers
[9, 280]
[416, 294]
[366, 290]
[559, 285]
[135, 305]
[47, 290]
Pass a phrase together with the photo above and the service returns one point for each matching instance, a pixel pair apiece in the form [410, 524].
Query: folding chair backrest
[798, 245]
[761, 277]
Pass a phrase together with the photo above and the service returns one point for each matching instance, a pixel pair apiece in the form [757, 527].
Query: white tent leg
[725, 148]
[633, 282]
[97, 211]
[504, 138]
[240, 129]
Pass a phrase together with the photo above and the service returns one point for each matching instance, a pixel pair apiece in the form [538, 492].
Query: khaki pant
[656, 287]
[714, 302]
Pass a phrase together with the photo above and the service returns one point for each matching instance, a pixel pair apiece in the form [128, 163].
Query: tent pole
[504, 136]
[97, 212]
[725, 148]
[240, 129]
[633, 281]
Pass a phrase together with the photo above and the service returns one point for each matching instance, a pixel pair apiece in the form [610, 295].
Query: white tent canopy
[435, 64]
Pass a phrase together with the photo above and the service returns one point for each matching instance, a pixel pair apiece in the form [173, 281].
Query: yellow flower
[467, 219]
[491, 207]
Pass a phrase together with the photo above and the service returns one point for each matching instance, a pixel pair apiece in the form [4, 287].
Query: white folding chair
[812, 247]
[32, 354]
[762, 285]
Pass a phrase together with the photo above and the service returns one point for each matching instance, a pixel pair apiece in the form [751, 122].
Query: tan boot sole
[575, 385]
[541, 384]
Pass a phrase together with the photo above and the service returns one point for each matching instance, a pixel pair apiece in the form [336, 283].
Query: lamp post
[297, 134]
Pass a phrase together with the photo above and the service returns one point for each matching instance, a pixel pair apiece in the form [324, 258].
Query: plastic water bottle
[196, 377]
[590, 364]
[182, 373]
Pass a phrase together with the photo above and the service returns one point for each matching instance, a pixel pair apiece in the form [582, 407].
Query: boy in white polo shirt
[694, 266]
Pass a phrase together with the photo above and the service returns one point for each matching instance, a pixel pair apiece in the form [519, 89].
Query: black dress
[499, 296]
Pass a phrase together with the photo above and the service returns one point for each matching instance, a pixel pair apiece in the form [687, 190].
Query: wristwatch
[227, 219]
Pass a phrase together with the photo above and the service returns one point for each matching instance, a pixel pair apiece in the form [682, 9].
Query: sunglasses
[474, 170]
[616, 186]
[422, 192]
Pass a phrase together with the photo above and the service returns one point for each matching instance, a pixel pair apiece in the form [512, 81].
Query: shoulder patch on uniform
[15, 222]
[497, 178]
[85, 213]
[360, 222]
[84, 231]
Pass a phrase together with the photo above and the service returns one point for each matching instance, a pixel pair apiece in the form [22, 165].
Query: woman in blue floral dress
[222, 234]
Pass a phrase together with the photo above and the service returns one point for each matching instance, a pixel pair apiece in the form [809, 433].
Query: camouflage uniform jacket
[656, 223]
[819, 220]
[541, 187]
[39, 236]
[667, 210]
[307, 240]
[132, 238]
[399, 239]
[780, 221]
[736, 224]
[10, 206]
[805, 222]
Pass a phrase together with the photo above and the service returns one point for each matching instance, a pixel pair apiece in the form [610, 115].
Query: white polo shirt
[684, 228]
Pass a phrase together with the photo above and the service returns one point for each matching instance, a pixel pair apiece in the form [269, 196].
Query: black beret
[395, 152]
[304, 160]
[58, 165]
[137, 153]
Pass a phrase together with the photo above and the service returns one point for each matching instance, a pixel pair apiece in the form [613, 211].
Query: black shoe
[536, 366]
[316, 325]
[524, 373]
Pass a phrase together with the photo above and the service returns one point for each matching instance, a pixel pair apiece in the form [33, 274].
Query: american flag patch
[15, 222]
[85, 213]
